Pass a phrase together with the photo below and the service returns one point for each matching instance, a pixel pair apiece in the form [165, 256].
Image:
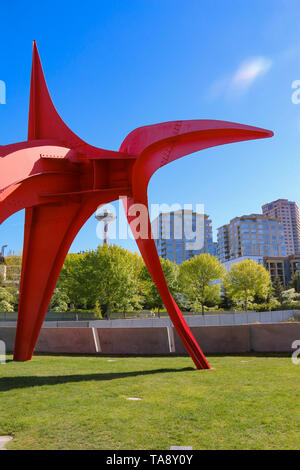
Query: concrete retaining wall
[218, 339]
[134, 340]
[272, 337]
[7, 334]
[66, 340]
[65, 324]
[56, 340]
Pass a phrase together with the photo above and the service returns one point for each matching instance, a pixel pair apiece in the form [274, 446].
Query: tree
[13, 267]
[278, 290]
[97, 310]
[295, 282]
[108, 275]
[73, 280]
[59, 301]
[152, 298]
[289, 296]
[198, 280]
[8, 299]
[226, 301]
[247, 279]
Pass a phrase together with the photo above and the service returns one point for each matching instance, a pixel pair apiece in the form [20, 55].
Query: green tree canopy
[295, 282]
[13, 267]
[152, 298]
[59, 301]
[198, 281]
[278, 290]
[108, 275]
[247, 279]
[8, 299]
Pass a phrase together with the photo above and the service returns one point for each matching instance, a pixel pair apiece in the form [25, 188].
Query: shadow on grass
[11, 383]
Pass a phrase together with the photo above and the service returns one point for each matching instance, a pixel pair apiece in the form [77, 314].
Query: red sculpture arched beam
[60, 181]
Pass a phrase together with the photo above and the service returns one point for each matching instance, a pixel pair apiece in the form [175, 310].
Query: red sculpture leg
[46, 243]
[149, 253]
[49, 232]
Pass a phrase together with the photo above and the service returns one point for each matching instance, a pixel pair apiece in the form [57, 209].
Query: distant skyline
[114, 66]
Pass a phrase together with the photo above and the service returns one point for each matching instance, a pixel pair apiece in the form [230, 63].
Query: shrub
[6, 306]
[97, 310]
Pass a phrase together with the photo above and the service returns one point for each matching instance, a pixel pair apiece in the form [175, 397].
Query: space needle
[106, 217]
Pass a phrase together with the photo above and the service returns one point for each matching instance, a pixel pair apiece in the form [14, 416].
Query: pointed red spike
[44, 121]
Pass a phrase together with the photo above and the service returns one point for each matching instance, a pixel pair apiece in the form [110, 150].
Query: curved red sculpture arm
[155, 146]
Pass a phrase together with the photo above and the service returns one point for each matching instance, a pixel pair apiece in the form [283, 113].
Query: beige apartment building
[288, 213]
[284, 268]
[253, 235]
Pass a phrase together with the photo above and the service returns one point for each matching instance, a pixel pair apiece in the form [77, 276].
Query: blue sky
[115, 65]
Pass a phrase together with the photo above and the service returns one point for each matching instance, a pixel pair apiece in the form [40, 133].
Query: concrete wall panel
[211, 320]
[253, 317]
[265, 317]
[274, 337]
[134, 340]
[240, 319]
[197, 320]
[66, 340]
[7, 334]
[218, 339]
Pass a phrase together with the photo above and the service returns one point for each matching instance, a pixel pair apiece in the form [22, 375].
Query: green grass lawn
[79, 402]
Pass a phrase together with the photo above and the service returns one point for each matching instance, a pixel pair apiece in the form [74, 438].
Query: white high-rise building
[183, 234]
[288, 213]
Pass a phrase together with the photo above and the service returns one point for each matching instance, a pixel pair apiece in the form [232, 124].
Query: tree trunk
[108, 312]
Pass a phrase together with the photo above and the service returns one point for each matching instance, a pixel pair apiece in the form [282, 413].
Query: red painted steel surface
[60, 181]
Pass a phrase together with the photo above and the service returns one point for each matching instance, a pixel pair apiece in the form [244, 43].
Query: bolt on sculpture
[60, 181]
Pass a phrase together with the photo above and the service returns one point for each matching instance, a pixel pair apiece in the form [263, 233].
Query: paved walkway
[3, 441]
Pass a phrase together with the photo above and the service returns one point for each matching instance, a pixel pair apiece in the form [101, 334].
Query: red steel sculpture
[60, 181]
